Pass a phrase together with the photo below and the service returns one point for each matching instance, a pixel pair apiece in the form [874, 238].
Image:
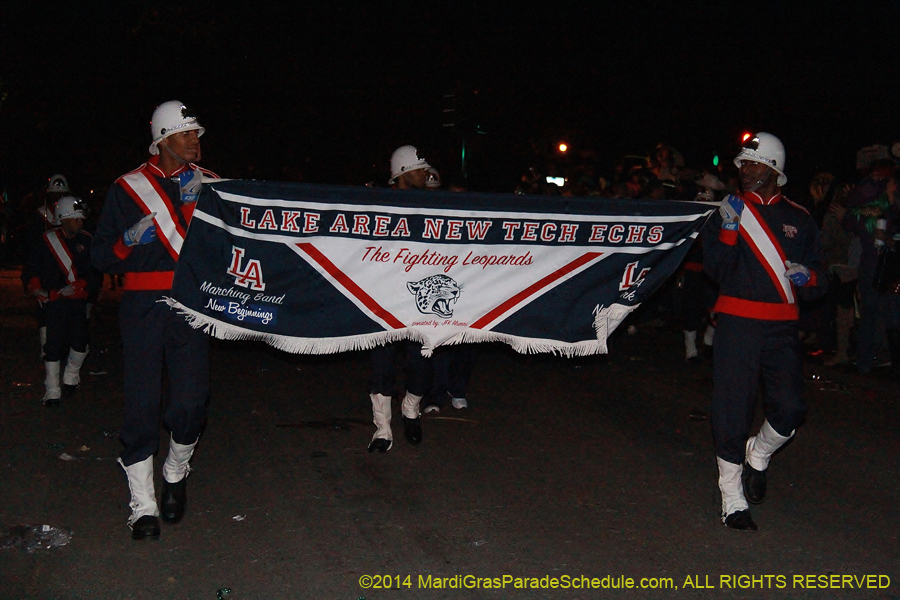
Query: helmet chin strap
[173, 154]
[755, 186]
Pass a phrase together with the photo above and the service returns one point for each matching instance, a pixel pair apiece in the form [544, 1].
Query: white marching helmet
[58, 183]
[68, 207]
[764, 148]
[406, 159]
[172, 117]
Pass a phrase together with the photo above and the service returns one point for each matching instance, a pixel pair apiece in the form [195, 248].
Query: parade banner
[316, 269]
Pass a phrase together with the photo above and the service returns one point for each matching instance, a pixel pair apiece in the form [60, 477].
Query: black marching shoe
[51, 402]
[145, 528]
[68, 391]
[740, 520]
[380, 445]
[412, 429]
[174, 497]
[754, 484]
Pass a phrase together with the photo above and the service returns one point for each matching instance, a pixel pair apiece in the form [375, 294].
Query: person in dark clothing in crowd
[866, 204]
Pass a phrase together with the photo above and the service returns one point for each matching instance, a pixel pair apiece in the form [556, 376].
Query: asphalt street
[596, 471]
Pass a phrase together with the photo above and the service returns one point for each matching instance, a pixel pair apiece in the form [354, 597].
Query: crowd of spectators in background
[857, 325]
[660, 175]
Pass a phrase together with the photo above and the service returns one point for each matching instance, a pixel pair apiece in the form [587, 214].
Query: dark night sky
[332, 88]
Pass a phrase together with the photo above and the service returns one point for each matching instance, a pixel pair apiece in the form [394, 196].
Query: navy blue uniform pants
[452, 369]
[747, 352]
[157, 340]
[67, 327]
[418, 369]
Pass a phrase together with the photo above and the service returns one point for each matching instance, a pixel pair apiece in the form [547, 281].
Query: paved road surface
[558, 468]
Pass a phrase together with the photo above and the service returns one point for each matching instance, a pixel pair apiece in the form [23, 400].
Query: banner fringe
[607, 319]
[605, 322]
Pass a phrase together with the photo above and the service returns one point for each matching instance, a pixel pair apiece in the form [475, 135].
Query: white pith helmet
[172, 117]
[68, 207]
[406, 159]
[764, 148]
[58, 183]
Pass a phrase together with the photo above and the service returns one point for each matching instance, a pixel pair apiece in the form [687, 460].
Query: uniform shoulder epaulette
[131, 172]
[795, 205]
[205, 172]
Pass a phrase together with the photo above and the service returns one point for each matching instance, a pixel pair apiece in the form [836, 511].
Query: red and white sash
[61, 253]
[145, 190]
[767, 250]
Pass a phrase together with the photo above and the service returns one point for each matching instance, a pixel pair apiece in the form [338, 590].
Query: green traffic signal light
[715, 160]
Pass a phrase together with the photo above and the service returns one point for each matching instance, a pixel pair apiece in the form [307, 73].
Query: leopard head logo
[435, 295]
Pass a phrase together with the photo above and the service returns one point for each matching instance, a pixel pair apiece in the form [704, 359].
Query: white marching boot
[763, 445]
[144, 520]
[381, 412]
[760, 449]
[51, 384]
[72, 374]
[690, 344]
[735, 510]
[412, 418]
[175, 471]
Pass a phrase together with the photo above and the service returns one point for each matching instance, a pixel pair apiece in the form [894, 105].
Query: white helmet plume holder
[764, 148]
[169, 118]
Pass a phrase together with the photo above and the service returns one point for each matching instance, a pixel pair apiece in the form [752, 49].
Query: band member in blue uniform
[61, 278]
[39, 218]
[763, 250]
[408, 172]
[140, 234]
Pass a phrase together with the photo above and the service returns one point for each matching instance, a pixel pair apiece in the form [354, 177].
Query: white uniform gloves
[142, 232]
[191, 183]
[797, 273]
[731, 209]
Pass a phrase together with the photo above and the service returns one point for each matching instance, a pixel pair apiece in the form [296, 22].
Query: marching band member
[764, 252]
[61, 278]
[408, 172]
[140, 234]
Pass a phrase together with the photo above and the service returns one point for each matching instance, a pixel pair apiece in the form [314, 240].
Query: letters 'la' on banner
[316, 269]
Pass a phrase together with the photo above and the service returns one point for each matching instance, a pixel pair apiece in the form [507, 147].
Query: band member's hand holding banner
[730, 209]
